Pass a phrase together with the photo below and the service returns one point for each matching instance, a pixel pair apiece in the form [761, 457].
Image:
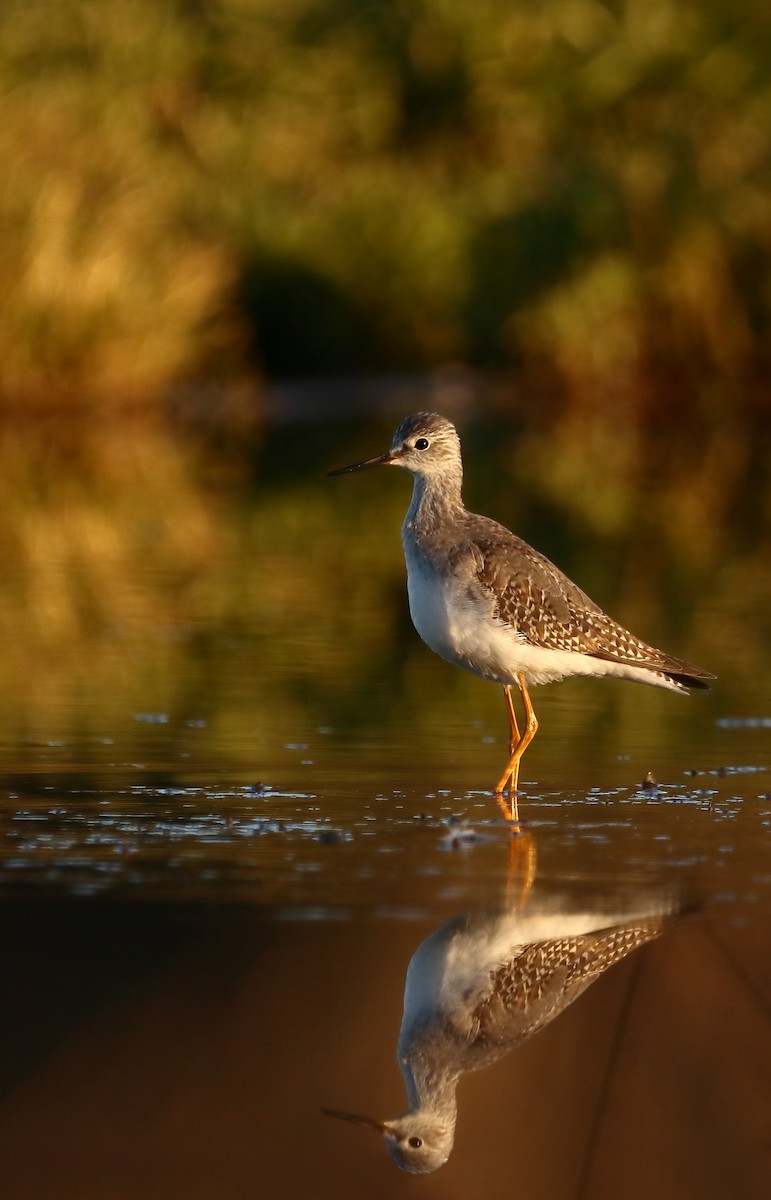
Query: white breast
[458, 624]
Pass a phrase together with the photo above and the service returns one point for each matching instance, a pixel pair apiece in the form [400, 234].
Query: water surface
[229, 817]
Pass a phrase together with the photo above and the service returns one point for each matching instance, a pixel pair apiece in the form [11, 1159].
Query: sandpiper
[480, 986]
[484, 599]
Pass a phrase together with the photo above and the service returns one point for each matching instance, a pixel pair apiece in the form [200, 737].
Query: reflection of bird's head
[418, 1142]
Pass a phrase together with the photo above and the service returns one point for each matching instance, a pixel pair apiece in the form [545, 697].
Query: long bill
[382, 460]
[369, 1122]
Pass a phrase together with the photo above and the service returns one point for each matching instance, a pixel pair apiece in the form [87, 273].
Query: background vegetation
[350, 184]
[556, 211]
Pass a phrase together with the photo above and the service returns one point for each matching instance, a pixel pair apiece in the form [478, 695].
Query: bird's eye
[422, 444]
[416, 1142]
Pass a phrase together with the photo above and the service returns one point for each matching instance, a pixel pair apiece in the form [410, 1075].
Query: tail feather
[687, 679]
[685, 674]
[679, 673]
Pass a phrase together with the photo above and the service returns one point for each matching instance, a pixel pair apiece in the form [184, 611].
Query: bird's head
[424, 444]
[418, 1142]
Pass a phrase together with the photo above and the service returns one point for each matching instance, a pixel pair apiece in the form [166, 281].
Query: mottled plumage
[541, 979]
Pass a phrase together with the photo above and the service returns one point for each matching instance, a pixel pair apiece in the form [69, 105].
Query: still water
[233, 815]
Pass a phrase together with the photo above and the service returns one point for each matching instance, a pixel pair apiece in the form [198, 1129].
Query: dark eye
[416, 1142]
[422, 444]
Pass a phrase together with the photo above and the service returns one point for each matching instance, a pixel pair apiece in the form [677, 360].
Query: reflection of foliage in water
[146, 570]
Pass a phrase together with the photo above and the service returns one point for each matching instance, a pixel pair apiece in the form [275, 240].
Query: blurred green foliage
[228, 186]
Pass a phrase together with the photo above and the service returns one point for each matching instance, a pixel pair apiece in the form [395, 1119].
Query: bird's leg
[532, 720]
[511, 774]
[509, 811]
[514, 739]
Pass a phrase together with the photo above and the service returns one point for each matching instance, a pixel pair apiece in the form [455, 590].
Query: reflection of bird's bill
[382, 460]
[369, 1122]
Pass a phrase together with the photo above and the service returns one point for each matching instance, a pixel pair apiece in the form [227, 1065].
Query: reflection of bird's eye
[421, 444]
[416, 1142]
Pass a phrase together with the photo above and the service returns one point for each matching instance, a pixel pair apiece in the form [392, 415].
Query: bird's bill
[369, 1122]
[382, 460]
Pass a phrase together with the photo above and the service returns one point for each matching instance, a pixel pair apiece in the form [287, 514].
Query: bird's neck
[434, 499]
[431, 1088]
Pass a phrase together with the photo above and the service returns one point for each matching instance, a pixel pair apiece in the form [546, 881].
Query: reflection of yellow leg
[511, 774]
[521, 869]
[509, 809]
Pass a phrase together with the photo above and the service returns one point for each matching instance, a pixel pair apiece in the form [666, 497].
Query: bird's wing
[532, 595]
[547, 609]
[530, 989]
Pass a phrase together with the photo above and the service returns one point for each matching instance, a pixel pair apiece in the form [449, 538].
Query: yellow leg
[510, 776]
[510, 810]
[514, 739]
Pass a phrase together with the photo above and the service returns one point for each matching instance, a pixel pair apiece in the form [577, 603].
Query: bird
[483, 599]
[478, 987]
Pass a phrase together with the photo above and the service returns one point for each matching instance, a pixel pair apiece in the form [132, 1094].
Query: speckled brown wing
[548, 610]
[544, 978]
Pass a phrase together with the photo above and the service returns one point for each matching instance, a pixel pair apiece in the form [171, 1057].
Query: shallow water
[223, 836]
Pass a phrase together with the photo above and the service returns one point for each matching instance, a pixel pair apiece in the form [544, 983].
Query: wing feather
[548, 610]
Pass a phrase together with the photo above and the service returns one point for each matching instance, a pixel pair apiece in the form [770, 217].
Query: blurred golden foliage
[337, 184]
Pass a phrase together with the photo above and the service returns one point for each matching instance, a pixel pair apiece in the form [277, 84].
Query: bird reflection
[485, 982]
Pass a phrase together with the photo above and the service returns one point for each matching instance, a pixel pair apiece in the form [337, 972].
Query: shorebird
[477, 988]
[482, 598]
